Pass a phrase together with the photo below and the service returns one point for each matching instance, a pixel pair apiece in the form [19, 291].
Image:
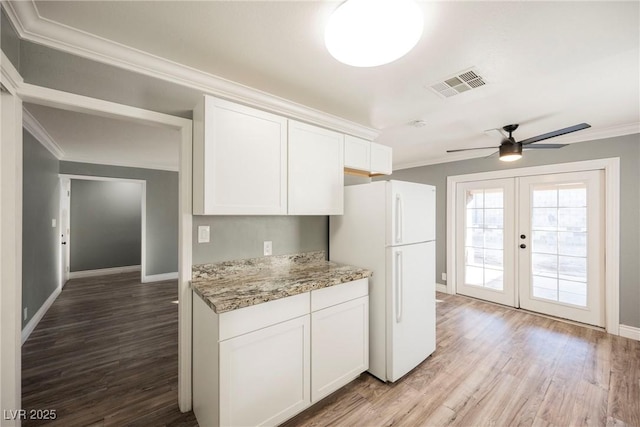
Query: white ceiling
[88, 138]
[547, 65]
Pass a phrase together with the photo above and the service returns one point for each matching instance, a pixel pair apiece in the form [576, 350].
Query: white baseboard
[630, 332]
[441, 288]
[160, 277]
[103, 271]
[29, 327]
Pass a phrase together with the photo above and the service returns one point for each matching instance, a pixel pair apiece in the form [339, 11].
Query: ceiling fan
[511, 150]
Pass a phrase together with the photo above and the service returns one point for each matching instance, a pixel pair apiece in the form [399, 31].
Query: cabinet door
[316, 170]
[265, 374]
[381, 159]
[240, 160]
[357, 153]
[339, 346]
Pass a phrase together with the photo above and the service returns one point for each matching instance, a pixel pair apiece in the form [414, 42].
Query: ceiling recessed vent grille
[461, 82]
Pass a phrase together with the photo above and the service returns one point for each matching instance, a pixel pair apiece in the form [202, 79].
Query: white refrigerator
[388, 227]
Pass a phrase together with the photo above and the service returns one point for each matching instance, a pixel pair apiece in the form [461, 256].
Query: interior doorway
[11, 158]
[110, 214]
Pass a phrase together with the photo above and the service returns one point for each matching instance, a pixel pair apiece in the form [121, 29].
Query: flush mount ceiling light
[368, 33]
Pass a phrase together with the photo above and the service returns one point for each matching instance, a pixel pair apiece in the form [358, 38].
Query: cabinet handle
[399, 286]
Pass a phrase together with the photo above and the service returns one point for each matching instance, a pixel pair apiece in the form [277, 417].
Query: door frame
[611, 168]
[143, 212]
[10, 241]
[65, 204]
[11, 218]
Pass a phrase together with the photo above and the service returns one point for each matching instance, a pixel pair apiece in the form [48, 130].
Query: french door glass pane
[484, 238]
[559, 243]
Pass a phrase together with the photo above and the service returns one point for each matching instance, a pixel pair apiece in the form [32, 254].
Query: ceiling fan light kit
[369, 33]
[511, 150]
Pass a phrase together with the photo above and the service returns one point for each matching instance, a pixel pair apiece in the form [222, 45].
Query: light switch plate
[203, 234]
[268, 247]
[53, 223]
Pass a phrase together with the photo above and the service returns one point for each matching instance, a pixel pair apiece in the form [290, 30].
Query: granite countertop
[230, 285]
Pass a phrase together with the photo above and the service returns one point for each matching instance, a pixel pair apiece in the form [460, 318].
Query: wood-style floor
[496, 366]
[106, 355]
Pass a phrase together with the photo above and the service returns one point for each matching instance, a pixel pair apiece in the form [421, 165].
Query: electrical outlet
[203, 234]
[444, 276]
[24, 313]
[268, 247]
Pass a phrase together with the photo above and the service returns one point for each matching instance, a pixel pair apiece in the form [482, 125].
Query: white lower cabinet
[265, 374]
[339, 346]
[263, 364]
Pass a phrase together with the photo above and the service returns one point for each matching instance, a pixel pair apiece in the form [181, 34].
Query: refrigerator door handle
[399, 286]
[399, 213]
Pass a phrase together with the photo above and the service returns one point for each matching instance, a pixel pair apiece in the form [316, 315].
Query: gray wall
[40, 241]
[242, 237]
[9, 40]
[625, 147]
[162, 210]
[105, 224]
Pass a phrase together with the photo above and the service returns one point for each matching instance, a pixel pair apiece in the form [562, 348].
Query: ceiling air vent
[461, 82]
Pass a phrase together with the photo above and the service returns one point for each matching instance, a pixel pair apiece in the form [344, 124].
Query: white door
[540, 249]
[485, 240]
[411, 305]
[412, 211]
[561, 254]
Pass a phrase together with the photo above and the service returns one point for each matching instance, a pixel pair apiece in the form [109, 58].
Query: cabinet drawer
[247, 319]
[326, 297]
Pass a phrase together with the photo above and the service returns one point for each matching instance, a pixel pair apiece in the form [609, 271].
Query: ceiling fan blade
[494, 154]
[555, 133]
[467, 149]
[544, 146]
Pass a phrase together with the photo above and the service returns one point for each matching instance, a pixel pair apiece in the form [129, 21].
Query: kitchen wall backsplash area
[242, 237]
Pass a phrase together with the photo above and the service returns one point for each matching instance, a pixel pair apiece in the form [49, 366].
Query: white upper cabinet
[381, 159]
[239, 160]
[357, 153]
[362, 157]
[316, 170]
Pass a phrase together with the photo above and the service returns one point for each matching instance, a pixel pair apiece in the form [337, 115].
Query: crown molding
[592, 134]
[33, 126]
[33, 27]
[10, 77]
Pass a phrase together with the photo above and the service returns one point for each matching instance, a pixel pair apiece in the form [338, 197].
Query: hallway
[106, 354]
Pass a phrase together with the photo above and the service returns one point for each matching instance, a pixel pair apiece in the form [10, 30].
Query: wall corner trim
[29, 327]
[441, 288]
[630, 332]
[151, 278]
[103, 271]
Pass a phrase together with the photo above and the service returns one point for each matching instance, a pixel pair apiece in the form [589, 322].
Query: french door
[534, 242]
[485, 224]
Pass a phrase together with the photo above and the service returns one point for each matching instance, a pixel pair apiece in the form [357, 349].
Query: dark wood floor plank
[106, 354]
